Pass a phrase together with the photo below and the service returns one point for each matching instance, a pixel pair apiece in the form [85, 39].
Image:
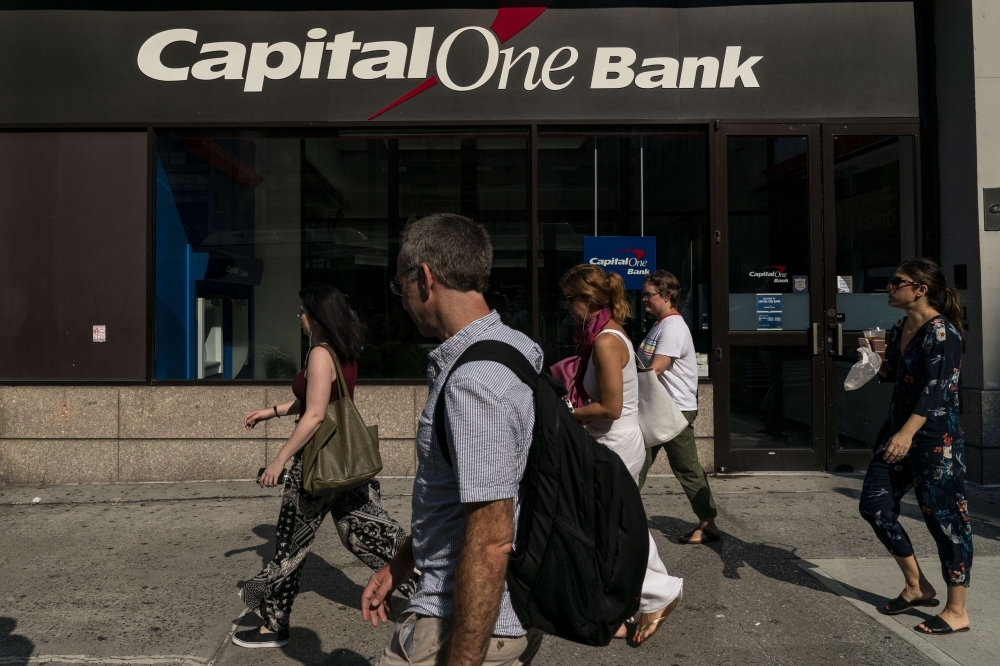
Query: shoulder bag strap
[341, 382]
[484, 350]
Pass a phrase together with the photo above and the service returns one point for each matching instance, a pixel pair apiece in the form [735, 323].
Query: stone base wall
[108, 434]
[981, 429]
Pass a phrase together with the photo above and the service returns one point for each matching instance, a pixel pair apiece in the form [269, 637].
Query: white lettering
[491, 62]
[621, 67]
[664, 77]
[390, 66]
[258, 69]
[312, 59]
[509, 61]
[340, 54]
[149, 54]
[420, 54]
[550, 67]
[231, 63]
[625, 261]
[732, 69]
[710, 72]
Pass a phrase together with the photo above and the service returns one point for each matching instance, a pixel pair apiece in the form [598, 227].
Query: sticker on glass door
[768, 312]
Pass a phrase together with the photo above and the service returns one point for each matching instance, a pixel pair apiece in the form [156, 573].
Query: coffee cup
[876, 340]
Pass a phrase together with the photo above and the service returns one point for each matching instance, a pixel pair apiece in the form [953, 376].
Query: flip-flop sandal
[642, 629]
[938, 626]
[901, 605]
[706, 537]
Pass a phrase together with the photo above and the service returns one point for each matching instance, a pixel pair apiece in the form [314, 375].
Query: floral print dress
[926, 376]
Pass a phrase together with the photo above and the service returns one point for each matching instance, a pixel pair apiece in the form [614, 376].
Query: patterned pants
[937, 475]
[365, 528]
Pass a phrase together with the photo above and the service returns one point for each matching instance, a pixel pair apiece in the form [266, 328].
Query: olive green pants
[682, 454]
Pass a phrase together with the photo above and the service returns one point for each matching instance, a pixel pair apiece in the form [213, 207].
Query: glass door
[769, 388]
[871, 189]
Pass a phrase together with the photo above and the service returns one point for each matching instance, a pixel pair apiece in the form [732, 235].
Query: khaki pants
[682, 454]
[420, 641]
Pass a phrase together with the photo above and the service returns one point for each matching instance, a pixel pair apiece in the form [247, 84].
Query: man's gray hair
[457, 250]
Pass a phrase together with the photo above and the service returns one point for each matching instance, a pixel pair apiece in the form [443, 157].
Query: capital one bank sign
[345, 57]
[593, 63]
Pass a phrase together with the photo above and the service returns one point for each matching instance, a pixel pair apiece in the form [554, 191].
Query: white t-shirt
[671, 337]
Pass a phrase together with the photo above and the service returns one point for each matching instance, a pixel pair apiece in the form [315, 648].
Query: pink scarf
[570, 370]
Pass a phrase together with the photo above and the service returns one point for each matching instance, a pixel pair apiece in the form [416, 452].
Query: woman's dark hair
[941, 297]
[330, 309]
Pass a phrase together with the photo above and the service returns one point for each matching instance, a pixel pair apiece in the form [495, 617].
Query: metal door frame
[857, 459]
[779, 459]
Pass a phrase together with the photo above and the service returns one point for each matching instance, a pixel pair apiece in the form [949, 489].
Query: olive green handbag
[343, 454]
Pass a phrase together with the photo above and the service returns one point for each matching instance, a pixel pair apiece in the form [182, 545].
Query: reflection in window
[860, 413]
[770, 398]
[647, 182]
[245, 219]
[768, 215]
[874, 189]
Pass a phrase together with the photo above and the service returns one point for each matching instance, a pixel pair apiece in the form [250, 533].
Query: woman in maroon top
[365, 528]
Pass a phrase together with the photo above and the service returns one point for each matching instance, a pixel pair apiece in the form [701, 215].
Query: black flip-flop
[706, 537]
[938, 626]
[901, 605]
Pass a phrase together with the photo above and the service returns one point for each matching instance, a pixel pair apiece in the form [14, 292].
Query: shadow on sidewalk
[318, 575]
[306, 648]
[776, 561]
[14, 648]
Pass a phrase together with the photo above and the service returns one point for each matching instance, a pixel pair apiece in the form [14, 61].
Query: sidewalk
[147, 574]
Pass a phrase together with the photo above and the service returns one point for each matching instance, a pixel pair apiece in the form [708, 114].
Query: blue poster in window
[768, 321]
[632, 257]
[768, 312]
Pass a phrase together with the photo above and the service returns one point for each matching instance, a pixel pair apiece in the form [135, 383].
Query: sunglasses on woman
[896, 282]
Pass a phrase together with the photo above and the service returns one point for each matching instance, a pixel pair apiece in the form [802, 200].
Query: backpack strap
[484, 350]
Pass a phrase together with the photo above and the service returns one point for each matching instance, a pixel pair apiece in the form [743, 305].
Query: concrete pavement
[147, 574]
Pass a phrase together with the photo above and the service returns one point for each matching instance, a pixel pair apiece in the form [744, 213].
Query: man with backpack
[466, 497]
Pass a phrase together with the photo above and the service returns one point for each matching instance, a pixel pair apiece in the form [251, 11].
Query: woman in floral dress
[921, 443]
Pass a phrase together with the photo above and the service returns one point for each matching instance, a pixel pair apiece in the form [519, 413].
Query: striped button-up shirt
[490, 416]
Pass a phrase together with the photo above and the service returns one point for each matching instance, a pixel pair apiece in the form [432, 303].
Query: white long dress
[624, 437]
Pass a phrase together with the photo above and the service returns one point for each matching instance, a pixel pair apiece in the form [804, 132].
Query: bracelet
[276, 414]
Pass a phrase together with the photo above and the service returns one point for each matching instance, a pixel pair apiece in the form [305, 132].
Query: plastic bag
[865, 369]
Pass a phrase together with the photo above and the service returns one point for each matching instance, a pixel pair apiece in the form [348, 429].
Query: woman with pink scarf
[604, 391]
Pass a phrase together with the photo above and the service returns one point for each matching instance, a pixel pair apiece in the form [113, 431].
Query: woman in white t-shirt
[669, 350]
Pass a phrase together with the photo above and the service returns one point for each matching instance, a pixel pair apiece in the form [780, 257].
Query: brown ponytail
[951, 307]
[604, 290]
[620, 307]
[940, 296]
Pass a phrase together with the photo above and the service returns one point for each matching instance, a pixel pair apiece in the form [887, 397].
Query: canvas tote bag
[660, 419]
[343, 454]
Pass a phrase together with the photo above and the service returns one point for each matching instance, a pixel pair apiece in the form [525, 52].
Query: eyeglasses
[896, 282]
[395, 286]
[648, 296]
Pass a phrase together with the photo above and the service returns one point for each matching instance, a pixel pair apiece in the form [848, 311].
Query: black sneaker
[253, 638]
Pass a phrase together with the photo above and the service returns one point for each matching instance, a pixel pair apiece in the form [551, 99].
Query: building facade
[169, 181]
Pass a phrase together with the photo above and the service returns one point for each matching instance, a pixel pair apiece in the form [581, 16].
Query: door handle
[840, 339]
[815, 339]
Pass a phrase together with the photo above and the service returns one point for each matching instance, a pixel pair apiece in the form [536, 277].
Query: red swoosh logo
[639, 254]
[508, 22]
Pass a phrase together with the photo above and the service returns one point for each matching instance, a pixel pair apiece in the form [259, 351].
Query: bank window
[875, 210]
[245, 219]
[630, 181]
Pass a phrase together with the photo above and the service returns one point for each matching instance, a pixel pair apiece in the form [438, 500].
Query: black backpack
[581, 539]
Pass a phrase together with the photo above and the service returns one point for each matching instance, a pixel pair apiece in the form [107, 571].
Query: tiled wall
[54, 435]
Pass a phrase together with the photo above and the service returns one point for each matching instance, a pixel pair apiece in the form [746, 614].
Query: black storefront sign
[754, 61]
